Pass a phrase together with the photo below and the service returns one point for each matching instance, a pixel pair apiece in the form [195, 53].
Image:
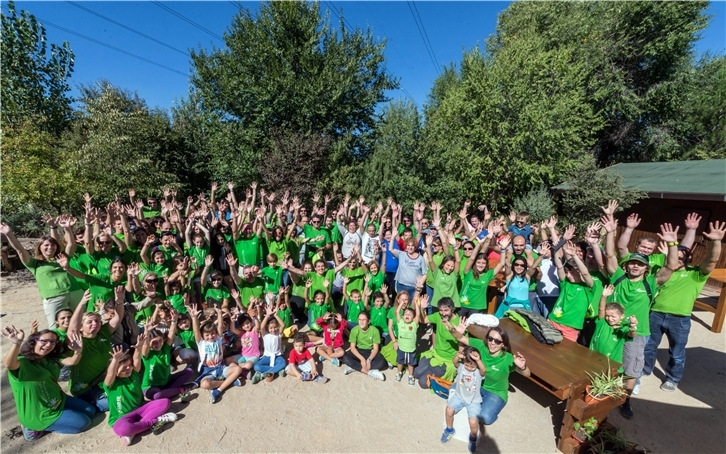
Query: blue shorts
[218, 372]
[472, 410]
[406, 358]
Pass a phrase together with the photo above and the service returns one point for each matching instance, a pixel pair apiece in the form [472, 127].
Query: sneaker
[472, 443]
[321, 379]
[390, 366]
[184, 397]
[626, 410]
[269, 377]
[237, 382]
[377, 375]
[348, 370]
[158, 426]
[283, 373]
[636, 390]
[305, 376]
[126, 440]
[669, 386]
[257, 378]
[321, 358]
[31, 435]
[411, 381]
[214, 395]
[399, 376]
[248, 374]
[448, 433]
[190, 386]
[335, 362]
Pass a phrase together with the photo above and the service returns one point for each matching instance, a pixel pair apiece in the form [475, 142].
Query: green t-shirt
[392, 316]
[248, 250]
[634, 298]
[102, 287]
[445, 285]
[445, 344]
[95, 358]
[124, 396]
[217, 295]
[272, 276]
[156, 367]
[356, 276]
[572, 303]
[103, 260]
[379, 318]
[286, 316]
[406, 335]
[437, 258]
[314, 313]
[354, 310]
[149, 213]
[318, 281]
[61, 335]
[254, 289]
[473, 293]
[498, 369]
[199, 253]
[187, 336]
[279, 248]
[177, 302]
[38, 398]
[364, 340]
[677, 295]
[334, 233]
[51, 278]
[609, 341]
[311, 232]
[376, 281]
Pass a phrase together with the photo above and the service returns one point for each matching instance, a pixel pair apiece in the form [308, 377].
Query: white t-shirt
[273, 345]
[212, 353]
[467, 384]
[368, 247]
[349, 240]
[549, 284]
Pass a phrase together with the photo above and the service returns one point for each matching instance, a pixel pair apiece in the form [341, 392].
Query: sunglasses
[496, 341]
[218, 279]
[520, 265]
[151, 281]
[48, 341]
[468, 248]
[315, 222]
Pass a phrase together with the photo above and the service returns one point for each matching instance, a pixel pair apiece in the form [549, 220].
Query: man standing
[671, 312]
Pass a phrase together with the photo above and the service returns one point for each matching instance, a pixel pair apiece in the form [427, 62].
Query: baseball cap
[639, 258]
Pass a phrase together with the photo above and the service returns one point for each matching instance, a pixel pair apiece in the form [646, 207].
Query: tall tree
[287, 68]
[34, 83]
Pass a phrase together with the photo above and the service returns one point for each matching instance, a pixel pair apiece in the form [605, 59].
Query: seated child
[333, 327]
[249, 336]
[378, 310]
[464, 393]
[301, 362]
[158, 381]
[272, 362]
[213, 374]
[319, 307]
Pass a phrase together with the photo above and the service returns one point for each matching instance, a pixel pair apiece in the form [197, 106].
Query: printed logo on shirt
[494, 367]
[640, 290]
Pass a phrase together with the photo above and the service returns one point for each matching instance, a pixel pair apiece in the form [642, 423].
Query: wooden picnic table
[719, 311]
[561, 370]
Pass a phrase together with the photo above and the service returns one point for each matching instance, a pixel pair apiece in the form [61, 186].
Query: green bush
[26, 220]
[538, 203]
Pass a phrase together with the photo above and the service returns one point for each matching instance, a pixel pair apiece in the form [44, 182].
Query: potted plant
[583, 432]
[604, 385]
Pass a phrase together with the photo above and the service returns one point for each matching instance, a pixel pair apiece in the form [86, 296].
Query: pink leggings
[140, 419]
[171, 389]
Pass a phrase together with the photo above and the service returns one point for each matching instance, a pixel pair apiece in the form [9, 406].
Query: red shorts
[567, 332]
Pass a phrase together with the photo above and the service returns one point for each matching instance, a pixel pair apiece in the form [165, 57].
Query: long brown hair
[505, 337]
[39, 255]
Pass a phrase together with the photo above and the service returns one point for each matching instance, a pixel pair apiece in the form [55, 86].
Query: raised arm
[606, 292]
[14, 243]
[631, 223]
[692, 221]
[611, 261]
[715, 235]
[570, 251]
[670, 236]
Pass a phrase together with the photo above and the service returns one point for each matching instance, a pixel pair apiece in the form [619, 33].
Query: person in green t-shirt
[612, 329]
[378, 309]
[364, 353]
[33, 367]
[128, 414]
[445, 345]
[477, 276]
[671, 311]
[197, 249]
[215, 293]
[354, 303]
[407, 337]
[272, 274]
[445, 277]
[247, 243]
[318, 305]
[320, 239]
[158, 381]
[635, 288]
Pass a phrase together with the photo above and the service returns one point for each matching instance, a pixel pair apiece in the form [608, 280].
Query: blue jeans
[96, 396]
[75, 418]
[491, 406]
[263, 365]
[411, 290]
[676, 329]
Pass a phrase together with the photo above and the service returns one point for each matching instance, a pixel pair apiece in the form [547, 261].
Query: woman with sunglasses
[477, 277]
[33, 368]
[58, 289]
[497, 356]
[518, 278]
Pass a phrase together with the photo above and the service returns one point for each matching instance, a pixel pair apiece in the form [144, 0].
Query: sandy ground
[356, 414]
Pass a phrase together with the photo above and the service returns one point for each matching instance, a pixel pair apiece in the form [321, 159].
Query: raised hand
[118, 351]
[309, 283]
[512, 216]
[519, 361]
[633, 221]
[569, 233]
[717, 231]
[62, 260]
[423, 301]
[5, 229]
[610, 209]
[608, 290]
[692, 221]
[208, 261]
[231, 260]
[504, 243]
[475, 355]
[610, 223]
[668, 234]
[569, 248]
[34, 326]
[215, 185]
[545, 248]
[75, 341]
[13, 334]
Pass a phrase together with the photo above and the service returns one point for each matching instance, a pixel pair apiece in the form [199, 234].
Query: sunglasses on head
[496, 341]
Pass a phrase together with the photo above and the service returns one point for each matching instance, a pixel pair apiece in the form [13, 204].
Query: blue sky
[450, 27]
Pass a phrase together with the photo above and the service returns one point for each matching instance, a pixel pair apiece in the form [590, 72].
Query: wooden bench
[561, 370]
[719, 310]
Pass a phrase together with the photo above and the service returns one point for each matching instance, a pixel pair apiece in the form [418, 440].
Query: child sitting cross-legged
[214, 375]
[333, 327]
[272, 361]
[302, 365]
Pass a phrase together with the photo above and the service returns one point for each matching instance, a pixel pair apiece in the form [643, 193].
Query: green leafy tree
[286, 68]
[538, 203]
[34, 82]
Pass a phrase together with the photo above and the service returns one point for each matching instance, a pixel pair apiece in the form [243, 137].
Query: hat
[433, 227]
[426, 231]
[639, 258]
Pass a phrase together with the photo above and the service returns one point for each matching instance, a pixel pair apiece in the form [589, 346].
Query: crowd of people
[149, 300]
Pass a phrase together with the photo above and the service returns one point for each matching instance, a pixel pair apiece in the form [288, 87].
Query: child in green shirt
[406, 339]
[611, 332]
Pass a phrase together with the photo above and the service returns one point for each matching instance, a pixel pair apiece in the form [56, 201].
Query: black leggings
[350, 360]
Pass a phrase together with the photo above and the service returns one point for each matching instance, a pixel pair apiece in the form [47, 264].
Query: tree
[117, 142]
[589, 188]
[287, 69]
[34, 84]
[538, 203]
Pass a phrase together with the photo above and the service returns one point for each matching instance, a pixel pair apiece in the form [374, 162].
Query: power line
[44, 22]
[426, 34]
[128, 28]
[187, 20]
[422, 38]
[339, 16]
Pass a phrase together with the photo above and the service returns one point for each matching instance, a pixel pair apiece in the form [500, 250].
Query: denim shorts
[213, 372]
[472, 410]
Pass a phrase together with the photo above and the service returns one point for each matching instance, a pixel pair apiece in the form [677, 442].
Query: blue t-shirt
[525, 231]
[391, 260]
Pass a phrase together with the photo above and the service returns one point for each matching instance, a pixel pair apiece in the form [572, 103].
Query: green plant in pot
[583, 432]
[604, 385]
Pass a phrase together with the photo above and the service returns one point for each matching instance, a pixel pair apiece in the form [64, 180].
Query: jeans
[75, 418]
[263, 365]
[676, 329]
[491, 406]
[411, 290]
[96, 396]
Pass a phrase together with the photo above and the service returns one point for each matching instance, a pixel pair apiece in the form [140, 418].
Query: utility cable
[422, 38]
[187, 20]
[426, 34]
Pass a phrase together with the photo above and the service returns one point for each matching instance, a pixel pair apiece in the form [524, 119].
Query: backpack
[648, 290]
[439, 386]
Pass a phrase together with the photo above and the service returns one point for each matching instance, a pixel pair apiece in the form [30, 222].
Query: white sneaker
[636, 390]
[376, 375]
[348, 370]
[167, 417]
